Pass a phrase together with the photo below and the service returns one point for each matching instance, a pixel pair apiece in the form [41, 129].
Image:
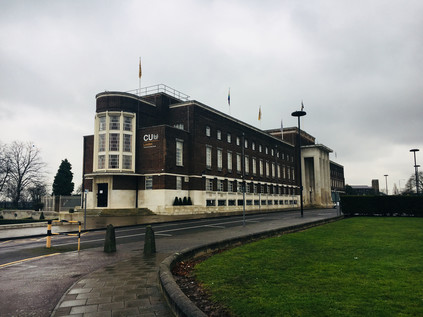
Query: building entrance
[102, 193]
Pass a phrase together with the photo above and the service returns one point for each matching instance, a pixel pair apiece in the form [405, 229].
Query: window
[101, 161]
[209, 184]
[126, 162]
[273, 152]
[293, 174]
[149, 182]
[267, 169]
[261, 167]
[238, 142]
[220, 185]
[179, 153]
[246, 163]
[113, 161]
[239, 187]
[229, 138]
[287, 157]
[253, 146]
[254, 166]
[284, 172]
[289, 173]
[178, 182]
[179, 126]
[208, 157]
[219, 135]
[230, 186]
[127, 144]
[127, 123]
[267, 150]
[238, 163]
[248, 188]
[219, 159]
[279, 171]
[260, 148]
[208, 131]
[101, 142]
[246, 144]
[102, 123]
[229, 161]
[114, 141]
[255, 188]
[114, 122]
[273, 170]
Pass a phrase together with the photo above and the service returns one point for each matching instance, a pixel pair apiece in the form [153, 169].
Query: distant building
[160, 150]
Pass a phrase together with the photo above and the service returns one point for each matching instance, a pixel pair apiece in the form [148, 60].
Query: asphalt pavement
[125, 283]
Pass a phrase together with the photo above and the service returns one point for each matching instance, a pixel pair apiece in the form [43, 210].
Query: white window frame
[179, 152]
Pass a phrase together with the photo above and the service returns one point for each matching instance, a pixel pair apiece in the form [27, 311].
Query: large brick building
[161, 150]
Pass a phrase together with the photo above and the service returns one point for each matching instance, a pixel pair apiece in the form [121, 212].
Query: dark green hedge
[382, 205]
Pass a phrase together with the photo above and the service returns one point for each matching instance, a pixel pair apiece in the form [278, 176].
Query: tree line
[23, 175]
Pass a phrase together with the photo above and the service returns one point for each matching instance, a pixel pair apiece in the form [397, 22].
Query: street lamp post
[416, 170]
[386, 180]
[300, 114]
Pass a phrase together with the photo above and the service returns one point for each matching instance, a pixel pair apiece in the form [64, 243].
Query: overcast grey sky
[357, 66]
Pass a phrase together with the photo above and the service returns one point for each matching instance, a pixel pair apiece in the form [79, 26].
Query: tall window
[127, 123]
[219, 135]
[219, 159]
[102, 123]
[267, 169]
[260, 148]
[230, 186]
[246, 144]
[254, 162]
[220, 185]
[209, 184]
[114, 122]
[149, 182]
[102, 161]
[208, 131]
[208, 156]
[114, 141]
[229, 161]
[279, 171]
[253, 146]
[127, 142]
[102, 142]
[261, 167]
[113, 161]
[293, 174]
[247, 165]
[126, 162]
[178, 182]
[229, 138]
[273, 170]
[179, 153]
[238, 163]
[238, 142]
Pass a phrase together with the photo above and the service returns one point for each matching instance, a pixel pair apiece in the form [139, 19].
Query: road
[19, 249]
[34, 279]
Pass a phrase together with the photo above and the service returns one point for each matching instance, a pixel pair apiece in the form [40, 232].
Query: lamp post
[386, 180]
[416, 170]
[300, 114]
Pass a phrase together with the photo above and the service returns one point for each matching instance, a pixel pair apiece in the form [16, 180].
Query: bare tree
[4, 167]
[410, 186]
[26, 169]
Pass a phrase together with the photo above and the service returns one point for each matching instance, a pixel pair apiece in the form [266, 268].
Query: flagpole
[139, 76]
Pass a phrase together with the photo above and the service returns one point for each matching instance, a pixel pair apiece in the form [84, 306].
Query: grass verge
[353, 267]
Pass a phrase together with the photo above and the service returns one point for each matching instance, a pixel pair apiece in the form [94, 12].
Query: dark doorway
[102, 193]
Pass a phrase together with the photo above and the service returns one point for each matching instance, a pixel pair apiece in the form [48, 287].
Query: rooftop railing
[150, 90]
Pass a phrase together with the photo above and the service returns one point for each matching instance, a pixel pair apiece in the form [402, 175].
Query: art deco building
[161, 151]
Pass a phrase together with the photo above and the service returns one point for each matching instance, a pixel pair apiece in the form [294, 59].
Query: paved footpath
[131, 287]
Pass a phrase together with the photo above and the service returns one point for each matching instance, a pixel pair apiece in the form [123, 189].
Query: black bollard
[110, 241]
[149, 241]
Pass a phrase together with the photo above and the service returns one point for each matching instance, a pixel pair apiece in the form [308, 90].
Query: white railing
[145, 91]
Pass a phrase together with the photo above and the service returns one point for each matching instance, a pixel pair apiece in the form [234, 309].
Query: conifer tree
[63, 184]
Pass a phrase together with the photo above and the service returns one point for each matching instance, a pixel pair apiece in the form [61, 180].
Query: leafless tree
[4, 166]
[410, 186]
[26, 169]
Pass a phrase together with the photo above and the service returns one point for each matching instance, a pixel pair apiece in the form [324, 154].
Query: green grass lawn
[353, 267]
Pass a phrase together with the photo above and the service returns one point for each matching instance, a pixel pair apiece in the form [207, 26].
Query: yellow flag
[139, 70]
[259, 116]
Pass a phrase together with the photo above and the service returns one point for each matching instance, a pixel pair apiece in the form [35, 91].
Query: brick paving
[127, 288]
